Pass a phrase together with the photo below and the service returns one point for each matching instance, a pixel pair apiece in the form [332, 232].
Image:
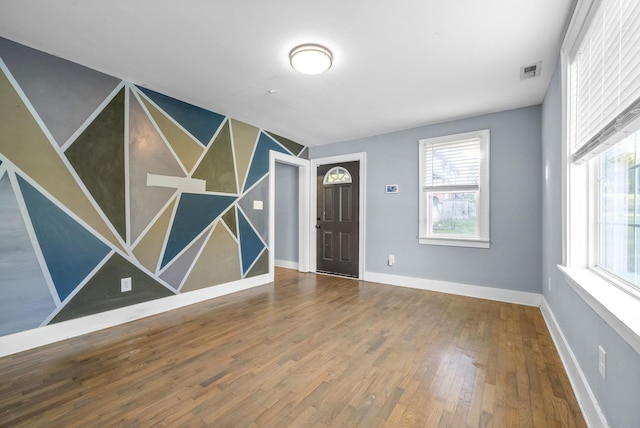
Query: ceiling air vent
[530, 71]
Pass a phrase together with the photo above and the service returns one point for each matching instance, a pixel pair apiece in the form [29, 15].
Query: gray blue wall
[286, 213]
[514, 259]
[583, 329]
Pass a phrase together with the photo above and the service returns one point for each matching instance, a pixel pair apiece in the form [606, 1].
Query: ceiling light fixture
[311, 59]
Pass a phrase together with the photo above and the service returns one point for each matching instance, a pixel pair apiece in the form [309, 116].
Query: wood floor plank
[308, 350]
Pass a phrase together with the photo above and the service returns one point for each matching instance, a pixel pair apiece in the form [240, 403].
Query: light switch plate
[257, 205]
[602, 362]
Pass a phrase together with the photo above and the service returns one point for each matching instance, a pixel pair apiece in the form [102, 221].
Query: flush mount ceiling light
[311, 59]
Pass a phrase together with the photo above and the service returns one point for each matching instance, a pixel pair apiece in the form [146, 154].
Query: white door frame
[315, 163]
[303, 209]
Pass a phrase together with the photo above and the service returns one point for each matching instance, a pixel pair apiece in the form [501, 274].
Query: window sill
[452, 242]
[618, 309]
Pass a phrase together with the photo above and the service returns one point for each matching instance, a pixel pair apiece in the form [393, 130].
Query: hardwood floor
[310, 350]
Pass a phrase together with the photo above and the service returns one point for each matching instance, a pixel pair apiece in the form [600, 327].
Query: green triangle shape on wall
[217, 167]
[292, 146]
[230, 219]
[97, 155]
[261, 266]
[102, 292]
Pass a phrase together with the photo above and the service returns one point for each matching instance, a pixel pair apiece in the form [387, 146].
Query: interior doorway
[302, 232]
[286, 216]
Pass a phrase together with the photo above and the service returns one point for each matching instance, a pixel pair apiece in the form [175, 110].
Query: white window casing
[455, 165]
[601, 107]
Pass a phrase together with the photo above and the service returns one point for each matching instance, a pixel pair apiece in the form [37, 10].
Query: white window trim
[483, 209]
[605, 296]
[304, 225]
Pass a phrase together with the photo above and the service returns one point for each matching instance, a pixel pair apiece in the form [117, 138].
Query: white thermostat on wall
[391, 188]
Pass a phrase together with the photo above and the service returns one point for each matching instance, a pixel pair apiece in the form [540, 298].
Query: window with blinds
[602, 57]
[604, 73]
[452, 166]
[454, 196]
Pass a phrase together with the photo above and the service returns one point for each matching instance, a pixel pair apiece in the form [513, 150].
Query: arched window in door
[337, 175]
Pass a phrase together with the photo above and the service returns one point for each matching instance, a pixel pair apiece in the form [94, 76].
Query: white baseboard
[489, 293]
[590, 409]
[28, 339]
[286, 264]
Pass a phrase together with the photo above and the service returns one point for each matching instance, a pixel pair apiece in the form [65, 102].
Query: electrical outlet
[391, 260]
[125, 285]
[602, 362]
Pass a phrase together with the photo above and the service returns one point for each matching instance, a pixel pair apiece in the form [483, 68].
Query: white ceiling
[397, 64]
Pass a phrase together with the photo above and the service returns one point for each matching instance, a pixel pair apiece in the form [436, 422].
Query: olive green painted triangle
[24, 144]
[292, 146]
[102, 292]
[149, 249]
[218, 263]
[217, 167]
[261, 266]
[97, 155]
[245, 137]
[230, 219]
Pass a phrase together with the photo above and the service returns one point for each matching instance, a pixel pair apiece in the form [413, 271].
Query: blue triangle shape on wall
[194, 213]
[200, 123]
[250, 243]
[70, 251]
[260, 163]
[23, 304]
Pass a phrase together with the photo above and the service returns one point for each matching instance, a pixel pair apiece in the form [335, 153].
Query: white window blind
[454, 190]
[605, 77]
[452, 166]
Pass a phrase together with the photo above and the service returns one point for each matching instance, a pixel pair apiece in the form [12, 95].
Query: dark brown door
[338, 218]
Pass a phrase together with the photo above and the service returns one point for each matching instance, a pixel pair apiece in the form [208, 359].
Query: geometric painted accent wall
[102, 180]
